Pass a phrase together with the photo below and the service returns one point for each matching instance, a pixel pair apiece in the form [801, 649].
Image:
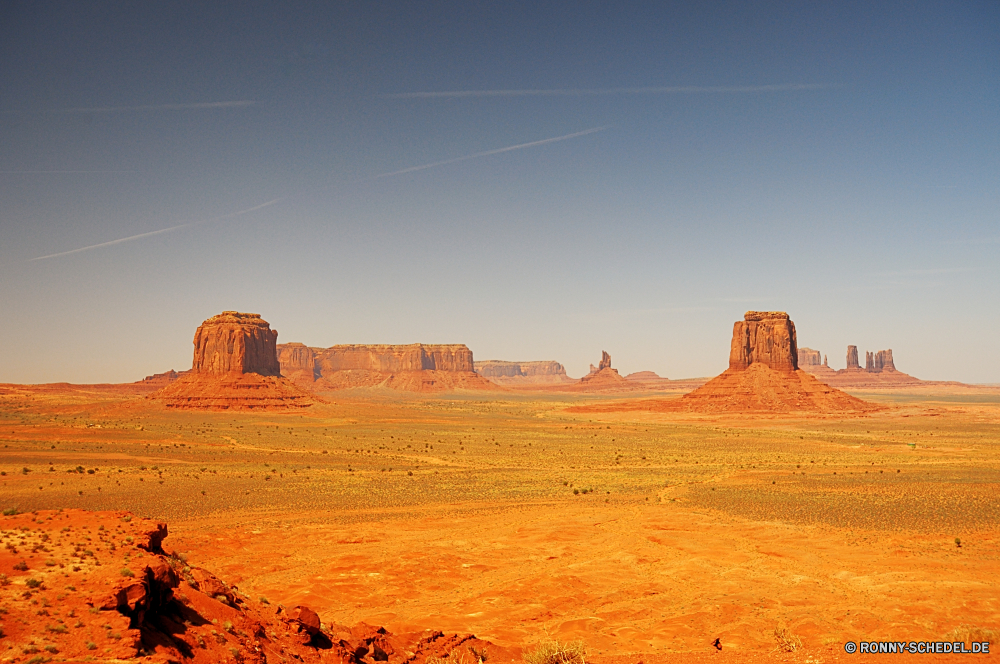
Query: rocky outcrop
[809, 358]
[603, 376]
[238, 343]
[502, 372]
[764, 337]
[147, 605]
[852, 359]
[235, 367]
[883, 361]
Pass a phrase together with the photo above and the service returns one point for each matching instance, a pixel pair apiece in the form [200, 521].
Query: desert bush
[787, 641]
[553, 652]
[10, 511]
[970, 633]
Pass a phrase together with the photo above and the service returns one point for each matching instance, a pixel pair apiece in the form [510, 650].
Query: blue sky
[840, 161]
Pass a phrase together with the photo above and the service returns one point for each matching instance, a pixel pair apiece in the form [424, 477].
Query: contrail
[151, 233]
[580, 92]
[491, 152]
[148, 107]
[57, 172]
[411, 169]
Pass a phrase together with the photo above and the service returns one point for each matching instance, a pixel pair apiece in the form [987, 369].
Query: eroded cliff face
[235, 343]
[296, 358]
[809, 358]
[388, 358]
[504, 369]
[765, 337]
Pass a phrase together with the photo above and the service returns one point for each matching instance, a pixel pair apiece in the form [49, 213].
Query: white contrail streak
[148, 107]
[580, 92]
[57, 172]
[159, 232]
[491, 152]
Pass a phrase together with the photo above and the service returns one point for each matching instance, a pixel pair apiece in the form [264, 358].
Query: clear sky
[837, 160]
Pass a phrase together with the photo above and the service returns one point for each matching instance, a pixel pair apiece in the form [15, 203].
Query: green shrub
[553, 652]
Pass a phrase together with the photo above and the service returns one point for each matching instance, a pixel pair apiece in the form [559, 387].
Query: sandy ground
[645, 535]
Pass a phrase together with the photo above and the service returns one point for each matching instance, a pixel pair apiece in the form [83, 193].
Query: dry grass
[787, 642]
[553, 652]
[969, 633]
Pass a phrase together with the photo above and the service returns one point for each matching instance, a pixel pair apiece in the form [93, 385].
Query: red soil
[233, 391]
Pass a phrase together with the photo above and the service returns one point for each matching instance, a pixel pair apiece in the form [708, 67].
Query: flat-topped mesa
[505, 369]
[235, 343]
[387, 358]
[809, 357]
[764, 337]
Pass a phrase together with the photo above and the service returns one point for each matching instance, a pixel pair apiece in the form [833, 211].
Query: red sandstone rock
[604, 376]
[234, 342]
[809, 357]
[767, 337]
[385, 358]
[235, 367]
[522, 373]
[296, 358]
[168, 611]
[852, 359]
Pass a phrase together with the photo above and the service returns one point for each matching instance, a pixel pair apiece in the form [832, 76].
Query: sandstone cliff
[880, 370]
[235, 367]
[234, 342]
[764, 337]
[809, 357]
[409, 367]
[515, 373]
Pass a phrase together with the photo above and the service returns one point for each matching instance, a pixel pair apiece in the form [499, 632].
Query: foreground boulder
[235, 367]
[123, 598]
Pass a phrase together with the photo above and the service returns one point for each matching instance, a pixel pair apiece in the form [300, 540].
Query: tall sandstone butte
[763, 373]
[238, 343]
[235, 367]
[852, 359]
[765, 337]
[763, 377]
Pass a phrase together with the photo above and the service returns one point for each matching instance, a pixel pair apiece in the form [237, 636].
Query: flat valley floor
[508, 516]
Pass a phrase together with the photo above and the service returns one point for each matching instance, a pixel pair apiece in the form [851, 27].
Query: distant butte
[879, 369]
[603, 375]
[763, 377]
[235, 367]
[544, 372]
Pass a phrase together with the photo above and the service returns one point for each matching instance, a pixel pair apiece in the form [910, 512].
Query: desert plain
[522, 517]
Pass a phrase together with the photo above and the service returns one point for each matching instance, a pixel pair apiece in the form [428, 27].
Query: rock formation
[235, 367]
[809, 358]
[763, 375]
[603, 376]
[852, 359]
[410, 367]
[517, 373]
[233, 342]
[141, 603]
[879, 370]
[298, 361]
[764, 337]
[645, 376]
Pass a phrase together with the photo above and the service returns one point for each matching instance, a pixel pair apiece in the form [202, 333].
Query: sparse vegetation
[553, 652]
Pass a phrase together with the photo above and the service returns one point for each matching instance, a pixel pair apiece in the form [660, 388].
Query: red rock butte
[542, 372]
[763, 376]
[235, 367]
[603, 375]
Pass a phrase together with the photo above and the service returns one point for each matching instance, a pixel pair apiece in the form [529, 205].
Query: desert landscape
[762, 516]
